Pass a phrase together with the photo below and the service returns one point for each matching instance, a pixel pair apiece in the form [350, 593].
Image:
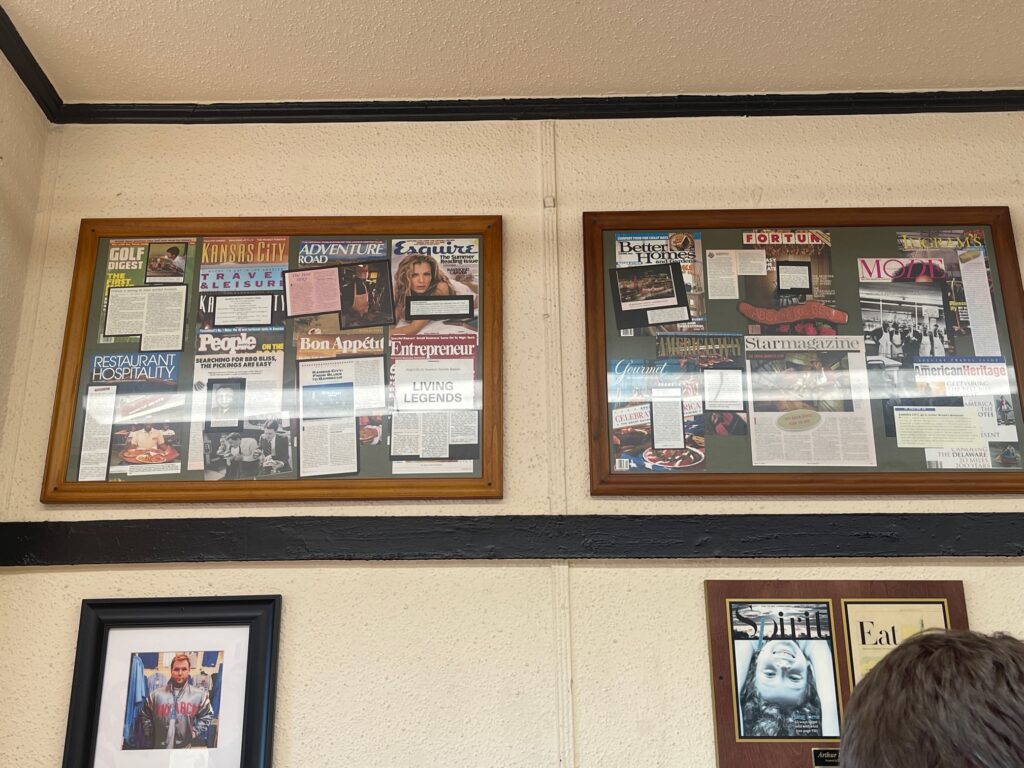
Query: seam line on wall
[552, 320]
[563, 657]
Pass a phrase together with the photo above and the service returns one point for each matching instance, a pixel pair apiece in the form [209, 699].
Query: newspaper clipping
[809, 403]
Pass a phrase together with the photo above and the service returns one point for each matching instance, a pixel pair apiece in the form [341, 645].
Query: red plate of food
[149, 455]
[668, 459]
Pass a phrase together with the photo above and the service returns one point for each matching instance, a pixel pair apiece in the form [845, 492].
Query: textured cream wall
[452, 666]
[506, 168]
[438, 50]
[470, 664]
[23, 132]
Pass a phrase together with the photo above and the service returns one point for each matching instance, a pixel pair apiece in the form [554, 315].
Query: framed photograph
[366, 296]
[819, 351]
[165, 261]
[794, 277]
[282, 356]
[225, 403]
[785, 656]
[649, 295]
[157, 676]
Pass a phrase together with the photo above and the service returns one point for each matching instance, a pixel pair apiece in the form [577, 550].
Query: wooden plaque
[841, 629]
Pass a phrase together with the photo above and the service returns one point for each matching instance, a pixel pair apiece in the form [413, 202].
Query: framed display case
[786, 655]
[158, 675]
[824, 351]
[287, 358]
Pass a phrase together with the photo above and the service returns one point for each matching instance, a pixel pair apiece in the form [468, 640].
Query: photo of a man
[173, 707]
[225, 403]
[166, 262]
[366, 295]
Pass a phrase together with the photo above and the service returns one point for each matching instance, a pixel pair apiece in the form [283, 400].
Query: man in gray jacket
[177, 715]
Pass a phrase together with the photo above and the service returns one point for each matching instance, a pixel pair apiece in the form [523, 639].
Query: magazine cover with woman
[784, 671]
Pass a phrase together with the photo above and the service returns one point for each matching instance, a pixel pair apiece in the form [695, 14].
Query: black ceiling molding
[584, 108]
[511, 537]
[28, 69]
[614, 107]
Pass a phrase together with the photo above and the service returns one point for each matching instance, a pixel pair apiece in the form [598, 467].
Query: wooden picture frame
[931, 599]
[430, 476]
[131, 646]
[718, 458]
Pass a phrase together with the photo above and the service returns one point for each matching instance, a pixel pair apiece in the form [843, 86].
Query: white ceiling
[311, 50]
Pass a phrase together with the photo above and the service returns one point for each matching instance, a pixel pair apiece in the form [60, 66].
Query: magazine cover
[795, 295]
[683, 251]
[458, 348]
[874, 627]
[136, 263]
[784, 670]
[431, 270]
[809, 403]
[957, 262]
[322, 253]
[243, 264]
[903, 309]
[317, 336]
[699, 351]
[657, 416]
[237, 386]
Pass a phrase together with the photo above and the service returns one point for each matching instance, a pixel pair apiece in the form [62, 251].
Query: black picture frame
[259, 614]
[384, 311]
[412, 303]
[802, 266]
[626, 317]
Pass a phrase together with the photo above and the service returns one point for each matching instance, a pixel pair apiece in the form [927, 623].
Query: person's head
[233, 439]
[173, 251]
[181, 667]
[779, 697]
[270, 427]
[362, 271]
[941, 699]
[421, 272]
[148, 427]
[225, 396]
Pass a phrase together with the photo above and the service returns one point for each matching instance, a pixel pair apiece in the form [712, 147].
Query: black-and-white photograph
[904, 320]
[784, 671]
[1004, 411]
[225, 403]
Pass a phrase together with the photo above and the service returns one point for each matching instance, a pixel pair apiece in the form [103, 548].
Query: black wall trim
[28, 69]
[612, 107]
[550, 109]
[511, 537]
